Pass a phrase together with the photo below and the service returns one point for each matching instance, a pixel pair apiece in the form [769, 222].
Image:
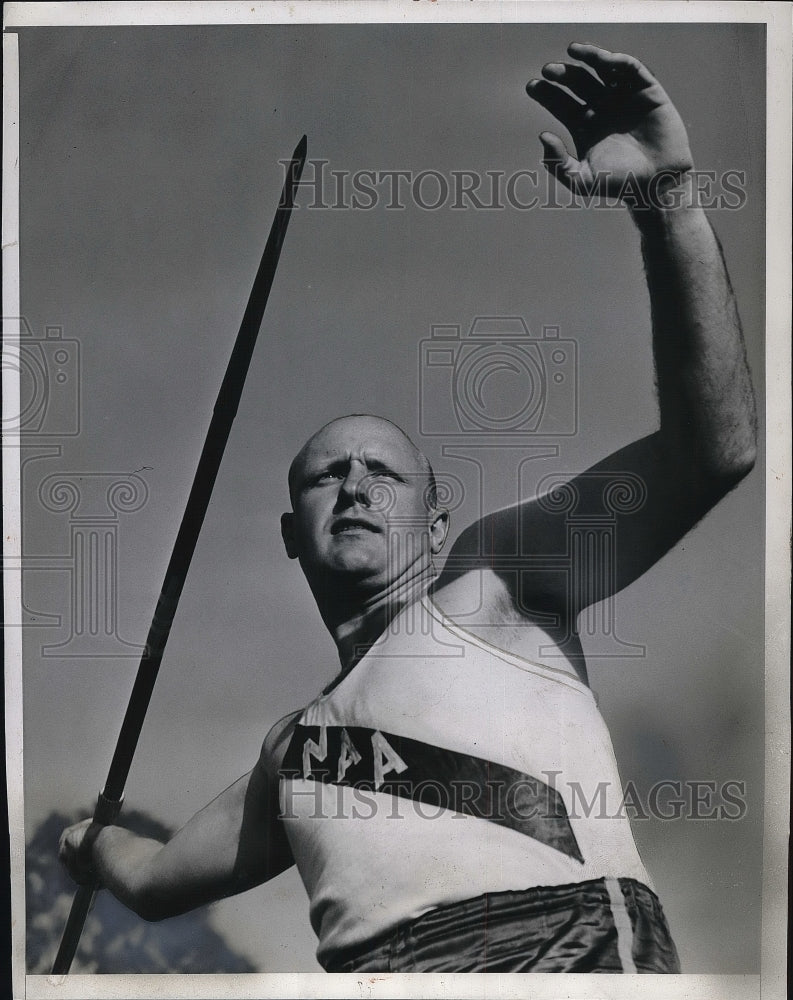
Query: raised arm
[233, 844]
[630, 144]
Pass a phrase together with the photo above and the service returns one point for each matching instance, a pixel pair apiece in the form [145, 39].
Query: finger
[561, 165]
[613, 68]
[561, 105]
[66, 847]
[579, 80]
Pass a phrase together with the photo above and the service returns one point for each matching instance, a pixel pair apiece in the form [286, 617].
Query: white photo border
[771, 982]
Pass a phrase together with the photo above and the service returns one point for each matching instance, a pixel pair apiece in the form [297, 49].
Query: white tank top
[440, 768]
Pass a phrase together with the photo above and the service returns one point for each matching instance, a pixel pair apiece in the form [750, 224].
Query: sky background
[149, 177]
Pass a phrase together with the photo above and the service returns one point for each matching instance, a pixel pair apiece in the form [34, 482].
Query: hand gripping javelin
[110, 797]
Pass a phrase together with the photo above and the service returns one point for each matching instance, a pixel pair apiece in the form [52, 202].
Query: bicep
[625, 513]
[263, 850]
[232, 844]
[589, 536]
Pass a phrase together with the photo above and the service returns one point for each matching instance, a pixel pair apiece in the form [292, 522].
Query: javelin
[109, 802]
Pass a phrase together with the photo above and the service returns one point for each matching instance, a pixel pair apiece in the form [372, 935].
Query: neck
[356, 623]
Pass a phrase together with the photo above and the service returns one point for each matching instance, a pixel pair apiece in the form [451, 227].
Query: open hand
[628, 135]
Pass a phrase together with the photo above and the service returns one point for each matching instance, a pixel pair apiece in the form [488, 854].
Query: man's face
[359, 496]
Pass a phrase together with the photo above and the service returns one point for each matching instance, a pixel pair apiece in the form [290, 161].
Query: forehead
[363, 437]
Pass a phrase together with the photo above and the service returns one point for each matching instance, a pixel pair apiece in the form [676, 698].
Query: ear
[288, 534]
[439, 529]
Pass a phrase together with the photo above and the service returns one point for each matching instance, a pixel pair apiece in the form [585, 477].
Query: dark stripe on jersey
[359, 757]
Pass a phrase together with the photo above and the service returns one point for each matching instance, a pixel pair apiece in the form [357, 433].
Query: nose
[353, 489]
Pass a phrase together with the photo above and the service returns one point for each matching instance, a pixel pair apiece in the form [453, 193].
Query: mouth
[348, 525]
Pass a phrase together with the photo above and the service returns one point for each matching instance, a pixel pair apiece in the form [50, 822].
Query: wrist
[671, 201]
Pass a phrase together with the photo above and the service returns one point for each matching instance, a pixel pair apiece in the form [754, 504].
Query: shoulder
[517, 549]
[512, 620]
[276, 741]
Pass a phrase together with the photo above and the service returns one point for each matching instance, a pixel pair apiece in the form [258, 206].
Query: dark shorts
[606, 925]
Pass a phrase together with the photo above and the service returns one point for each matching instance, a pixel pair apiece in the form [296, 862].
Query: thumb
[561, 165]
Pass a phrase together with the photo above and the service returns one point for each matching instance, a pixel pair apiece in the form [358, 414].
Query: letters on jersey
[371, 760]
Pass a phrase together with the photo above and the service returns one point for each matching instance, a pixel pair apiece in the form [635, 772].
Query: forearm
[158, 880]
[704, 386]
[123, 863]
[199, 864]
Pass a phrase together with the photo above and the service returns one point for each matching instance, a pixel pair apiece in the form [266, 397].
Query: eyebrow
[379, 464]
[373, 462]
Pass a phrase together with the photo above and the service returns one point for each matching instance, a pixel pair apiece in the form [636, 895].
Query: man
[427, 796]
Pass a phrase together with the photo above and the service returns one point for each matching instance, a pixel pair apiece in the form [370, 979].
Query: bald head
[364, 514]
[356, 430]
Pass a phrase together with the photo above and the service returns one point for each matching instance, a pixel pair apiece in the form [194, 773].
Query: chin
[358, 571]
[339, 565]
